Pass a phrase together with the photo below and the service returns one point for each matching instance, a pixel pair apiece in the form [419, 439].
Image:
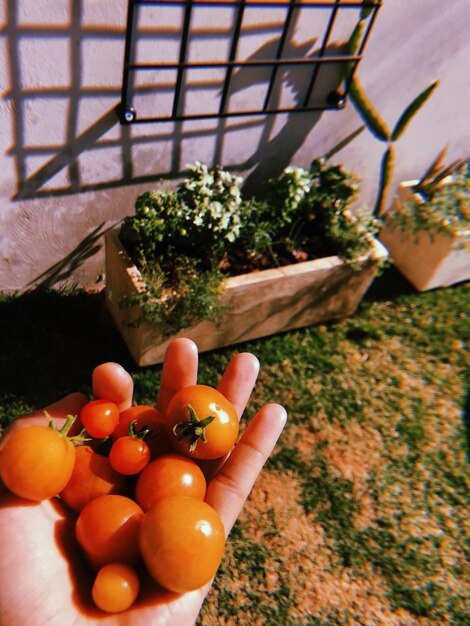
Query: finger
[179, 370]
[110, 381]
[227, 492]
[239, 379]
[70, 405]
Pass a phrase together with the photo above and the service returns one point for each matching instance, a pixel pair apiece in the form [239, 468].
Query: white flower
[205, 191]
[216, 210]
[198, 221]
[225, 221]
[234, 191]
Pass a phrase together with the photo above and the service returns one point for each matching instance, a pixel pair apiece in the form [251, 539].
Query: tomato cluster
[134, 481]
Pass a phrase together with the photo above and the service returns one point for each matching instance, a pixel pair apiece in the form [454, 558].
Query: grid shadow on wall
[66, 121]
[173, 103]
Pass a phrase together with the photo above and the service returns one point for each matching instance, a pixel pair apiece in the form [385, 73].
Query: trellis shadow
[268, 158]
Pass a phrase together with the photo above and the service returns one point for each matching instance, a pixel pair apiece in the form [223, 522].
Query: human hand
[44, 578]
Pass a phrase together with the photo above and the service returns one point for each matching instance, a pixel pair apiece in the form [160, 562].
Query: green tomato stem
[65, 429]
[194, 429]
[145, 434]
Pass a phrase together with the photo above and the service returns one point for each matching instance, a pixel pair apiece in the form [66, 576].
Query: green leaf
[366, 10]
[434, 168]
[366, 110]
[351, 48]
[411, 110]
[429, 186]
[386, 171]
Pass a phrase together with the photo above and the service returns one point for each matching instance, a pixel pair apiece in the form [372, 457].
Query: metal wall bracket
[334, 100]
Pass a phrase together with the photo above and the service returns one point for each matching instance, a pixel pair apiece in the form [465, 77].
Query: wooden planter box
[427, 260]
[261, 303]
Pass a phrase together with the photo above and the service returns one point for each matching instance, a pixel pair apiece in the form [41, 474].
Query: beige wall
[69, 170]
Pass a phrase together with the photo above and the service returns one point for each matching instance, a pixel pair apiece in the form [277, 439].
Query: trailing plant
[185, 242]
[374, 122]
[178, 299]
[446, 210]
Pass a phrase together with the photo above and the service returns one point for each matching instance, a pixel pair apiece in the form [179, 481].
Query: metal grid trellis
[333, 100]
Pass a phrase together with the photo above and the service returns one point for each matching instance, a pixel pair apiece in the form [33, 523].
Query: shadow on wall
[62, 272]
[276, 150]
[54, 162]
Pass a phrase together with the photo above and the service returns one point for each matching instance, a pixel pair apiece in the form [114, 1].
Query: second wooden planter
[259, 304]
[427, 259]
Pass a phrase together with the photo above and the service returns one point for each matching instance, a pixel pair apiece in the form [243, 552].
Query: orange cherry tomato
[99, 418]
[92, 477]
[182, 542]
[169, 475]
[37, 462]
[201, 422]
[107, 529]
[129, 455]
[144, 417]
[116, 588]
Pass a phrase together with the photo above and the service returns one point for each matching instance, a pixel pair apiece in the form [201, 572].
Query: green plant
[381, 131]
[446, 209]
[374, 122]
[431, 180]
[185, 242]
[314, 207]
[197, 221]
[178, 239]
[179, 298]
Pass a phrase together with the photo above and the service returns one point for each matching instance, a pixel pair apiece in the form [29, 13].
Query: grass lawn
[361, 515]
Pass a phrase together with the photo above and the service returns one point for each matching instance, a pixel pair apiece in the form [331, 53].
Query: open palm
[43, 578]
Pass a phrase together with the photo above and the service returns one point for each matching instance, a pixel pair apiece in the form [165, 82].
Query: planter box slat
[260, 304]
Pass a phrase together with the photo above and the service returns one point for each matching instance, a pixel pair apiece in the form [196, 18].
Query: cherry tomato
[112, 382]
[129, 455]
[182, 542]
[116, 588]
[99, 418]
[36, 462]
[202, 423]
[169, 475]
[145, 417]
[92, 477]
[107, 529]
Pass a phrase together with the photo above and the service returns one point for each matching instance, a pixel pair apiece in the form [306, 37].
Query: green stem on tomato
[194, 429]
[145, 434]
[63, 432]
